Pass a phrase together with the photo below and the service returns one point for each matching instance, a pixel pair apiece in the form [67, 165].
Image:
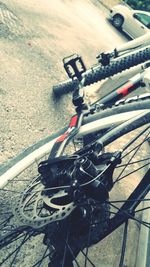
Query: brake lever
[104, 58]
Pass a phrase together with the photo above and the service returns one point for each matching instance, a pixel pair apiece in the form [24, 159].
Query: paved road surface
[35, 36]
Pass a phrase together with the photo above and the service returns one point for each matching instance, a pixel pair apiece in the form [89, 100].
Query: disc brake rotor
[37, 208]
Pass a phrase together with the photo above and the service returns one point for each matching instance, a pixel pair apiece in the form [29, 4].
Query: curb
[104, 4]
[109, 5]
[143, 253]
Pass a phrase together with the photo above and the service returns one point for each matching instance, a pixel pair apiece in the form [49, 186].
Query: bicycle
[77, 208]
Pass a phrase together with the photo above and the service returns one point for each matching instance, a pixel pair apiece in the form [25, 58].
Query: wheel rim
[25, 238]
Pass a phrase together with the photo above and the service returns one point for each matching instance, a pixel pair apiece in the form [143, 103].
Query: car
[134, 22]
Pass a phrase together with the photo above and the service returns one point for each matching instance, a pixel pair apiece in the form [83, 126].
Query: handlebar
[98, 72]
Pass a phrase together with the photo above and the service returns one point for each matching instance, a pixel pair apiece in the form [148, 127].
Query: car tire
[117, 21]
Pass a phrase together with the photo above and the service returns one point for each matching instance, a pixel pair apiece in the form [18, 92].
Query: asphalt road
[35, 36]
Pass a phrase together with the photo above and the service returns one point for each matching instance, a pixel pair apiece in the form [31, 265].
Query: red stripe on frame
[73, 121]
[124, 90]
[62, 137]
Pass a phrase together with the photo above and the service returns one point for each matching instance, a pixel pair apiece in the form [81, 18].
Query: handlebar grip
[64, 87]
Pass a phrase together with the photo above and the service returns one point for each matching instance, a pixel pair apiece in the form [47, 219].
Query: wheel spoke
[124, 242]
[135, 147]
[135, 152]
[128, 200]
[133, 162]
[5, 221]
[146, 224]
[72, 253]
[14, 235]
[16, 250]
[88, 258]
[136, 137]
[66, 244]
[38, 263]
[13, 240]
[146, 208]
[88, 243]
[5, 213]
[141, 167]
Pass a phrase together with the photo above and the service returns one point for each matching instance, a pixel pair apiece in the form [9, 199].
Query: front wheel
[35, 242]
[118, 21]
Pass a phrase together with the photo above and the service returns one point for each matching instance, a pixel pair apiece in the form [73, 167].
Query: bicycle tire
[99, 72]
[55, 136]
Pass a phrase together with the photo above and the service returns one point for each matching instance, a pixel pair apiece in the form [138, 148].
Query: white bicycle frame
[138, 43]
[45, 149]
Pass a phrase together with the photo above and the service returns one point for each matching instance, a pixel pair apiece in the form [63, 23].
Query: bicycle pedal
[74, 66]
